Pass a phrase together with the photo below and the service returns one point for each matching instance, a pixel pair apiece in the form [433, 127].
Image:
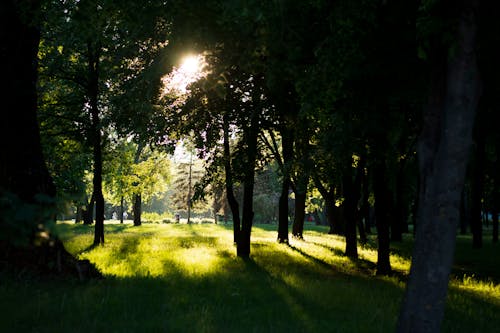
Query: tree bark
[23, 171]
[287, 148]
[93, 55]
[243, 246]
[137, 210]
[382, 217]
[88, 211]
[365, 204]
[121, 210]
[231, 199]
[300, 213]
[443, 152]
[351, 198]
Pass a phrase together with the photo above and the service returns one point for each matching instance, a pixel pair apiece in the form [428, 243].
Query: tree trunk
[477, 174]
[351, 198]
[121, 210]
[300, 213]
[382, 217]
[137, 210]
[93, 54]
[360, 179]
[231, 199]
[78, 214]
[443, 151]
[88, 211]
[23, 171]
[365, 204]
[287, 148]
[400, 218]
[243, 246]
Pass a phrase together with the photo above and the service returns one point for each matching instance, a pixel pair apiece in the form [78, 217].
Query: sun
[190, 65]
[191, 69]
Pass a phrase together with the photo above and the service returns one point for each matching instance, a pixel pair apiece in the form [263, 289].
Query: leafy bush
[156, 218]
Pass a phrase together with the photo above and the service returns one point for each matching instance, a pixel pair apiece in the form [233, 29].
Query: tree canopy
[357, 112]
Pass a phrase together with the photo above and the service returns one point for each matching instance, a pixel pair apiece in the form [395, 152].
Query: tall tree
[25, 183]
[443, 150]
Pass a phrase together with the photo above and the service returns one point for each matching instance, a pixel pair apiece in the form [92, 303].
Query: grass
[187, 278]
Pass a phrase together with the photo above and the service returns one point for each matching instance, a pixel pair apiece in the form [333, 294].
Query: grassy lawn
[187, 278]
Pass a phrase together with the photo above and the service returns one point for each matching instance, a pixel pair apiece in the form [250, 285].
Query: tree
[25, 183]
[443, 150]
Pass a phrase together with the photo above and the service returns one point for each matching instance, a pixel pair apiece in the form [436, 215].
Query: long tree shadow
[363, 266]
[310, 257]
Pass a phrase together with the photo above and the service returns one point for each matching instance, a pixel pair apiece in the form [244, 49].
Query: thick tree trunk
[231, 199]
[23, 171]
[443, 151]
[137, 210]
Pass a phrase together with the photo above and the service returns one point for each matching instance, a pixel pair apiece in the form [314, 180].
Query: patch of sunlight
[484, 289]
[196, 260]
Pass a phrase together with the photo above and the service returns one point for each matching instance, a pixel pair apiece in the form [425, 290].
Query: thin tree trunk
[78, 214]
[243, 246]
[351, 197]
[300, 213]
[231, 199]
[121, 209]
[443, 151]
[93, 95]
[88, 211]
[382, 218]
[365, 204]
[137, 210]
[287, 148]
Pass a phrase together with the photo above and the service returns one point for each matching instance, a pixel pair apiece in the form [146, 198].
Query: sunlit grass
[187, 278]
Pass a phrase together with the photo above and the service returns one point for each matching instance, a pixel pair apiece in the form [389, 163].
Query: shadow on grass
[310, 257]
[273, 291]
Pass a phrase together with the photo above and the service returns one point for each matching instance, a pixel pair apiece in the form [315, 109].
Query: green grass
[187, 278]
